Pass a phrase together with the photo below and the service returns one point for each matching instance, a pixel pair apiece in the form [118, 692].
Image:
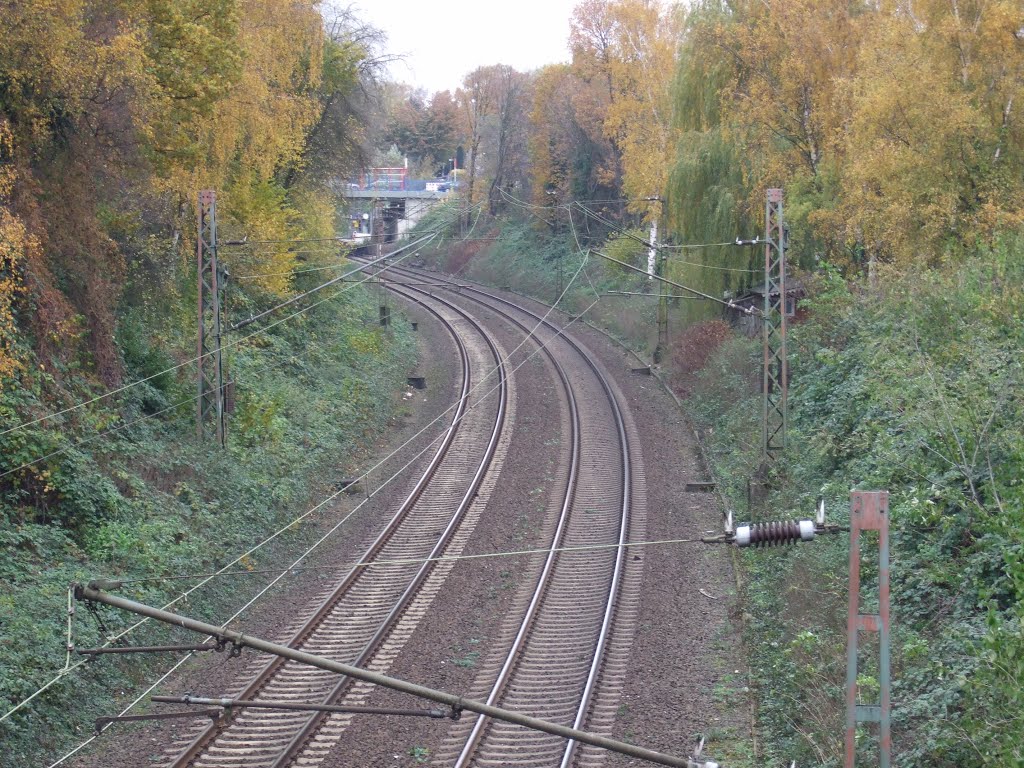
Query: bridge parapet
[394, 183]
[386, 194]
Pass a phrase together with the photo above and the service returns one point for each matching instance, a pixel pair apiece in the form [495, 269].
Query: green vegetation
[910, 385]
[419, 754]
[467, 659]
[148, 501]
[112, 116]
[914, 388]
[895, 135]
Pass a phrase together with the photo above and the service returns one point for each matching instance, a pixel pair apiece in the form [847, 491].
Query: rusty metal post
[775, 384]
[211, 364]
[869, 511]
[378, 234]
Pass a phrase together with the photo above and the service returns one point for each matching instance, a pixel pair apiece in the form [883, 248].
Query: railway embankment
[908, 383]
[147, 501]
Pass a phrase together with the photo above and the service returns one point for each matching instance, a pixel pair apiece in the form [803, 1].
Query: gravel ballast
[683, 644]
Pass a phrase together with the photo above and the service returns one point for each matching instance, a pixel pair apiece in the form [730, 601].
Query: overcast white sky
[443, 40]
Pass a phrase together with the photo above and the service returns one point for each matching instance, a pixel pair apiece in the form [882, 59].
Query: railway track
[365, 617]
[564, 659]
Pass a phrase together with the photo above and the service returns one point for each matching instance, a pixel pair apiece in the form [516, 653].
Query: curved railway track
[564, 660]
[561, 658]
[358, 619]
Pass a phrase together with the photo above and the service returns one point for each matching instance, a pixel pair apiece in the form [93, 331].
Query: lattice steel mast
[775, 386]
[210, 417]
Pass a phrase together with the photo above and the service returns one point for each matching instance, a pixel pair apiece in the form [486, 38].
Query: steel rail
[608, 617]
[294, 747]
[623, 527]
[211, 732]
[542, 581]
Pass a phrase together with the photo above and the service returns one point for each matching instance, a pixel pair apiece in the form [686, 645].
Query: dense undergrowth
[523, 254]
[914, 387]
[147, 500]
[911, 385]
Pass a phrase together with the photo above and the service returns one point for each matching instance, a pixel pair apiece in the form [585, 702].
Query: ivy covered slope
[146, 500]
[914, 387]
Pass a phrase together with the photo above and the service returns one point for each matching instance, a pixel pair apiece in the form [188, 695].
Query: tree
[423, 130]
[629, 47]
[14, 241]
[706, 194]
[339, 141]
[567, 161]
[509, 129]
[116, 113]
[194, 60]
[891, 125]
[476, 102]
[934, 149]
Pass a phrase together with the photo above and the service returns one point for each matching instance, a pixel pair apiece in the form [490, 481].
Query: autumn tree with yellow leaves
[935, 141]
[892, 126]
[600, 126]
[116, 114]
[629, 47]
[14, 241]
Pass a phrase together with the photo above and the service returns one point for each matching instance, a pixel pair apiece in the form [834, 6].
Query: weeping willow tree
[706, 194]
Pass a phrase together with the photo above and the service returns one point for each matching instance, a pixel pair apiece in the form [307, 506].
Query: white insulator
[743, 535]
[806, 530]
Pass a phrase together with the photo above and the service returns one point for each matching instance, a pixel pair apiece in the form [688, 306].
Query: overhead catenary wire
[252, 319]
[243, 243]
[408, 464]
[228, 345]
[69, 669]
[174, 406]
[289, 273]
[650, 295]
[261, 275]
[192, 399]
[664, 246]
[123, 712]
[283, 573]
[98, 435]
[118, 583]
[292, 569]
[189, 400]
[531, 207]
[574, 202]
[371, 564]
[694, 291]
[332, 247]
[178, 366]
[184, 595]
[668, 247]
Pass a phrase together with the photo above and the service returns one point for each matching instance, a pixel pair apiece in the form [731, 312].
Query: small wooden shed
[750, 324]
